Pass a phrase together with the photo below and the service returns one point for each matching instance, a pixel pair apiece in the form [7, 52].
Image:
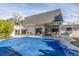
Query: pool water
[29, 46]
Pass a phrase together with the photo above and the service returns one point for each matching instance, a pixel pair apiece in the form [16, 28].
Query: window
[17, 32]
[69, 29]
[38, 30]
[58, 17]
[17, 23]
[23, 31]
[55, 30]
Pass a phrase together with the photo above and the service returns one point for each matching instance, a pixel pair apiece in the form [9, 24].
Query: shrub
[6, 28]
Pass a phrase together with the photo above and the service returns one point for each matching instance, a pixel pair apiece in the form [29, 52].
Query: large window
[55, 30]
[17, 32]
[38, 30]
[23, 31]
[17, 23]
[69, 29]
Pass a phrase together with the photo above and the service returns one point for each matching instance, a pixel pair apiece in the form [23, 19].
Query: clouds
[68, 10]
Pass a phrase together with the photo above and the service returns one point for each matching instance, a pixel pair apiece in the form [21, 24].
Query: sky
[69, 11]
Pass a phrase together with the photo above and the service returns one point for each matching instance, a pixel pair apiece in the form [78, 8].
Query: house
[40, 23]
[72, 28]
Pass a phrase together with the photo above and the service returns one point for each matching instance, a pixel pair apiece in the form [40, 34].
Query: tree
[6, 28]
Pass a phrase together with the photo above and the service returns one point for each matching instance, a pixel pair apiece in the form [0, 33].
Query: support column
[43, 29]
[20, 31]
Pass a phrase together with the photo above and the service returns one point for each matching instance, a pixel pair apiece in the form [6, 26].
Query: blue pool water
[28, 46]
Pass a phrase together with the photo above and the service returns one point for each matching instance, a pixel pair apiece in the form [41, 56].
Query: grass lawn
[4, 38]
[76, 42]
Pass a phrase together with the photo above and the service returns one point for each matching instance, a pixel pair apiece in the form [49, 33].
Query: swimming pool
[30, 46]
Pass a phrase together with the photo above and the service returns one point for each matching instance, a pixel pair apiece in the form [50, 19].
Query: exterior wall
[13, 33]
[32, 28]
[17, 28]
[73, 27]
[74, 32]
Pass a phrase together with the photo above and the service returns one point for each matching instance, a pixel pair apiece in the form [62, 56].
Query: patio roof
[43, 18]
